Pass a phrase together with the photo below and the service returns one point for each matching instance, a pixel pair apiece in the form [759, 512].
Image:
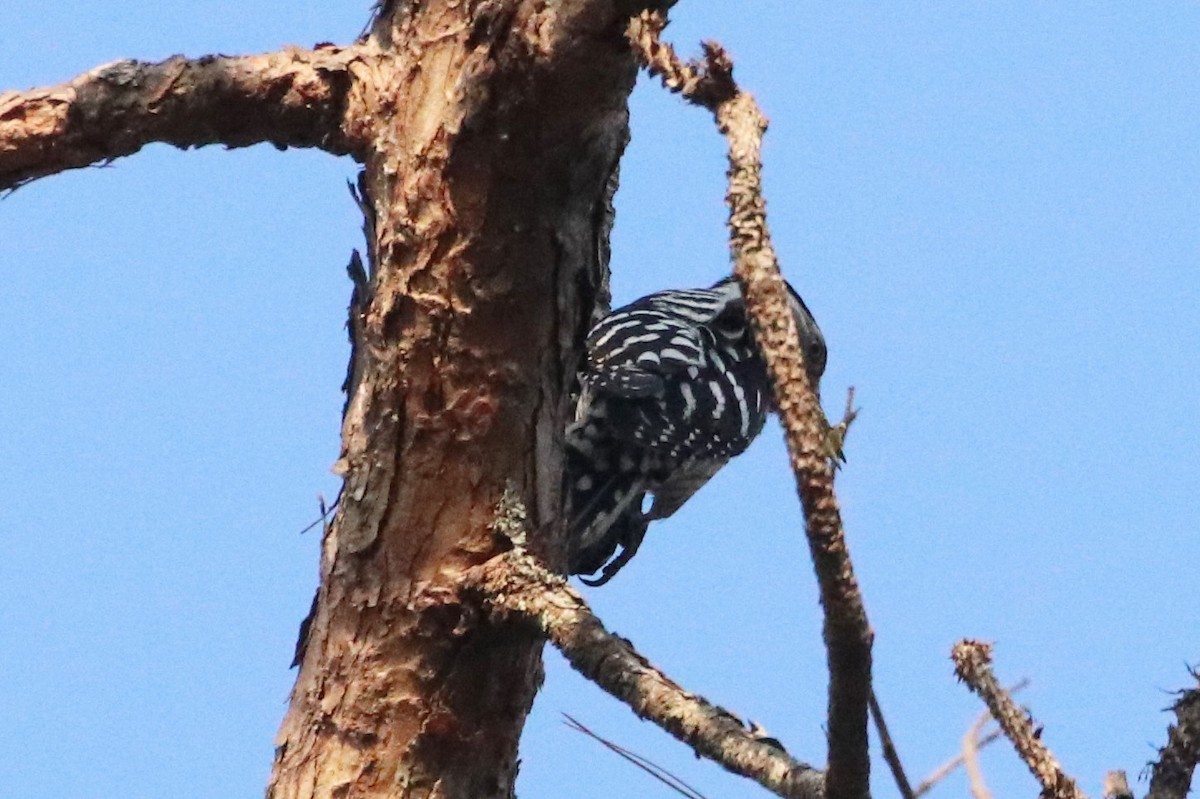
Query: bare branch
[293, 98]
[971, 744]
[890, 755]
[847, 632]
[973, 665]
[517, 585]
[946, 769]
[1171, 776]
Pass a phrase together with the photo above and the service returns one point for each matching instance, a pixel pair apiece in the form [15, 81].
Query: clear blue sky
[994, 212]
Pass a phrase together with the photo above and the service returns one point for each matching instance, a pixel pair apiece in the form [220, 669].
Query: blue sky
[993, 212]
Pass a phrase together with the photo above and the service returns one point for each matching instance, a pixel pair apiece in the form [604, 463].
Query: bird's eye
[730, 324]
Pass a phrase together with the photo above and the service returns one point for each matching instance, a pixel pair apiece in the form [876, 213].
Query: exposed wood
[293, 98]
[495, 128]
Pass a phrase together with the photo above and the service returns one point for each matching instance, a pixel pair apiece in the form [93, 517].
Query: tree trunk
[494, 130]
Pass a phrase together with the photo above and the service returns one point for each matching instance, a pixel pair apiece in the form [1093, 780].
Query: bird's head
[731, 321]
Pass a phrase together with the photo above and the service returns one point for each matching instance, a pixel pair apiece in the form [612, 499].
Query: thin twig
[847, 632]
[890, 755]
[516, 585]
[946, 769]
[973, 665]
[836, 438]
[645, 764]
[970, 757]
[326, 512]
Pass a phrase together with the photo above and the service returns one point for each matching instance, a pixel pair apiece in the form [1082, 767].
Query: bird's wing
[686, 481]
[633, 355]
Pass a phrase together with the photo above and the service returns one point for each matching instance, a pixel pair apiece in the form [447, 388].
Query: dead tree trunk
[491, 132]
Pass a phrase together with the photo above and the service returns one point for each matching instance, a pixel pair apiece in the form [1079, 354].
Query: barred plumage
[673, 387]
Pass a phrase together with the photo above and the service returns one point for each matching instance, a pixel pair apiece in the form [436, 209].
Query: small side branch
[946, 769]
[293, 98]
[1171, 776]
[847, 633]
[979, 741]
[973, 665]
[970, 757]
[516, 585]
[890, 755]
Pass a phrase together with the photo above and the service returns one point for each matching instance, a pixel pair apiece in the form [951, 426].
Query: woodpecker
[672, 388]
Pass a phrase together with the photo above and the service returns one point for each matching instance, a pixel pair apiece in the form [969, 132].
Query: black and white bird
[673, 387]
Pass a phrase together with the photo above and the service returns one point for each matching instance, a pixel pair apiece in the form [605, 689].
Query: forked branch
[847, 633]
[292, 98]
[973, 665]
[946, 769]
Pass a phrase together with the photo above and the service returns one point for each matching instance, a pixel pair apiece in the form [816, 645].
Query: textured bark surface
[1171, 775]
[294, 98]
[973, 665]
[516, 585]
[491, 131]
[847, 632]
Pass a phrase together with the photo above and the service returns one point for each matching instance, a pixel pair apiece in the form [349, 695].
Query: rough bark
[1171, 774]
[515, 585]
[492, 129]
[293, 98]
[847, 632]
[973, 665]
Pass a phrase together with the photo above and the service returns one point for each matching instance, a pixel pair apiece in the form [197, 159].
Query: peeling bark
[294, 98]
[491, 131]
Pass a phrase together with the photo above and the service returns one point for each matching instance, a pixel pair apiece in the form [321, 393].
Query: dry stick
[970, 757]
[973, 665]
[1171, 776]
[515, 584]
[847, 632]
[946, 769]
[890, 755]
[292, 98]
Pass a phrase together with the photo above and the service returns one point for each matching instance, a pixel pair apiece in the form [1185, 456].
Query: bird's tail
[604, 510]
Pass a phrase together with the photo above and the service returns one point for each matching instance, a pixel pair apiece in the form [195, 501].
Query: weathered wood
[293, 98]
[492, 130]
